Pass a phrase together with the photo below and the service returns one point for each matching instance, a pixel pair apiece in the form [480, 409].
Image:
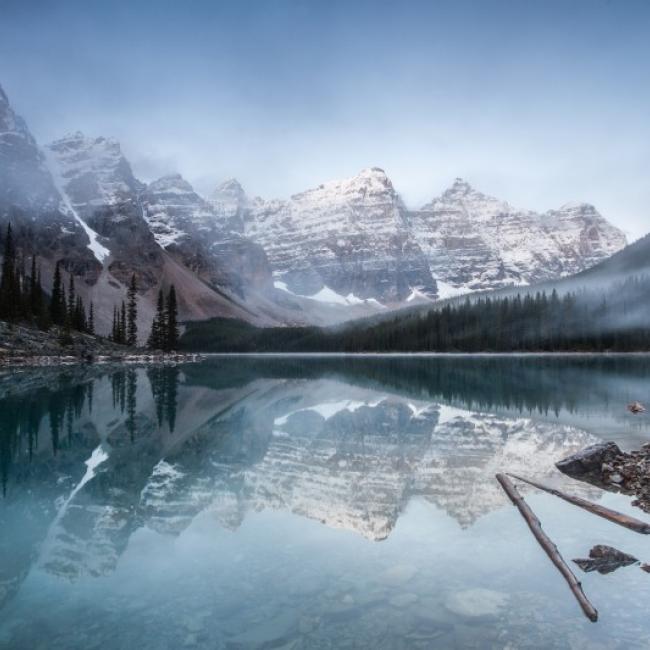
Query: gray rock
[589, 460]
[605, 559]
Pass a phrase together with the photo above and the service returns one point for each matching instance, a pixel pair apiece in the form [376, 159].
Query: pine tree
[123, 324]
[79, 320]
[91, 320]
[33, 293]
[72, 301]
[172, 321]
[114, 333]
[57, 301]
[157, 337]
[10, 298]
[132, 313]
[40, 311]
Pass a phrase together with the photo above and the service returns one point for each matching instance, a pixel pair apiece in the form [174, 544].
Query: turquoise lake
[311, 502]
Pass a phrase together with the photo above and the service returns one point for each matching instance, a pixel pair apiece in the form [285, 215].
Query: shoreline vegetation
[610, 319]
[23, 346]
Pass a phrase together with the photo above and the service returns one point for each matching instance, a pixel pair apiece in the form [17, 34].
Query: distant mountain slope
[78, 202]
[476, 242]
[632, 260]
[343, 250]
[356, 238]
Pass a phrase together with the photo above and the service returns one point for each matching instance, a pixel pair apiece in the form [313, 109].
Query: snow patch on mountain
[100, 251]
[329, 296]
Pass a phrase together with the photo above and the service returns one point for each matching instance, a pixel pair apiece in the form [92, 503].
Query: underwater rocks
[605, 559]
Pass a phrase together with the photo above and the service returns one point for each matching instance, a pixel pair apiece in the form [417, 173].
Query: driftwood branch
[619, 518]
[549, 547]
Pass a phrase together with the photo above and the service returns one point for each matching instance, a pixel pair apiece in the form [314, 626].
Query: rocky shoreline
[22, 346]
[66, 360]
[606, 466]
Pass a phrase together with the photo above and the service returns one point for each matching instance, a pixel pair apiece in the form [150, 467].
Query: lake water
[311, 503]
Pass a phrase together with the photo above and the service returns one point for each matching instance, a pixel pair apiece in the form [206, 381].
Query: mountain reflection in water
[90, 456]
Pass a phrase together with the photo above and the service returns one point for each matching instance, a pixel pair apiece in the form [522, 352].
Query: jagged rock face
[188, 227]
[30, 200]
[350, 236]
[231, 204]
[583, 236]
[97, 182]
[26, 183]
[356, 236]
[477, 242]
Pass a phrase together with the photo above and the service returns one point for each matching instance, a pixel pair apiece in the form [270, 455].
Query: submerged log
[549, 547]
[619, 518]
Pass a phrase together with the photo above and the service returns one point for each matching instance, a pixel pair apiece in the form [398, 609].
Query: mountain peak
[171, 183]
[230, 188]
[460, 186]
[373, 174]
[372, 171]
[4, 100]
[577, 206]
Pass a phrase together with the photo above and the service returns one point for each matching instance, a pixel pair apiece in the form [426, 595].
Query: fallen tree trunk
[619, 518]
[549, 547]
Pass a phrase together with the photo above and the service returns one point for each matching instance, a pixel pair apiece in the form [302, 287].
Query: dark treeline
[23, 298]
[124, 329]
[55, 412]
[616, 318]
[164, 328]
[22, 417]
[526, 384]
[164, 383]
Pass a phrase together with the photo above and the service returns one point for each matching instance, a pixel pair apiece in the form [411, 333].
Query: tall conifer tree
[172, 320]
[132, 313]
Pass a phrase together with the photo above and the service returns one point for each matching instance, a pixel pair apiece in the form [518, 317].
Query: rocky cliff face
[477, 242]
[353, 240]
[78, 202]
[207, 242]
[98, 186]
[349, 237]
[231, 204]
[30, 201]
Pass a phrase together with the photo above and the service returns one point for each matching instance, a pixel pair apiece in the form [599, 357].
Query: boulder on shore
[589, 460]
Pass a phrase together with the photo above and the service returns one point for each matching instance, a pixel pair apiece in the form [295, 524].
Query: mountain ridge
[344, 249]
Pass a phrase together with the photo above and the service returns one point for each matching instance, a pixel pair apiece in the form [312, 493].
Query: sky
[538, 103]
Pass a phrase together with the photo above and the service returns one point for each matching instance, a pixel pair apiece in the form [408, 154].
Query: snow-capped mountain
[26, 181]
[98, 187]
[187, 226]
[354, 241]
[342, 250]
[77, 201]
[477, 242]
[349, 237]
[357, 237]
[231, 204]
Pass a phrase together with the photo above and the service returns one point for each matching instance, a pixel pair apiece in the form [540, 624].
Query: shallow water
[310, 503]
